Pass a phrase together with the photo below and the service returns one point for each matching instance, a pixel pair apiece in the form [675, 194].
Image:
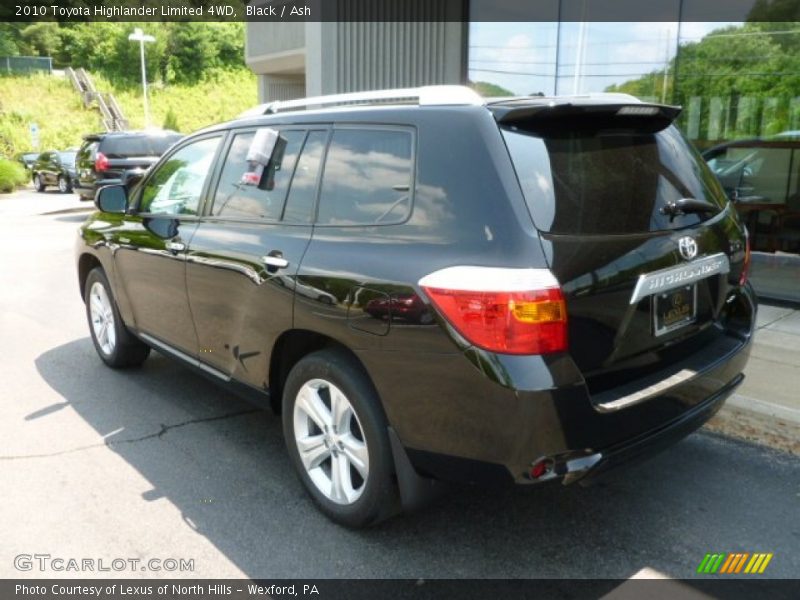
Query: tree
[737, 81]
[192, 51]
[8, 39]
[41, 39]
[490, 90]
[184, 52]
[171, 120]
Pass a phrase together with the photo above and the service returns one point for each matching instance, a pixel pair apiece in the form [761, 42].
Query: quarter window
[236, 197]
[176, 186]
[367, 178]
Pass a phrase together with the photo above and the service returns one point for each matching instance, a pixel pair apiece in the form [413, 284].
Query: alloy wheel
[331, 441]
[102, 316]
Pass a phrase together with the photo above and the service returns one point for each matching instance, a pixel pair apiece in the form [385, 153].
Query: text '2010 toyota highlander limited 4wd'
[430, 287]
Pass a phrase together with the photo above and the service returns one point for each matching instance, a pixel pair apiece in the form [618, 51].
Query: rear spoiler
[594, 115]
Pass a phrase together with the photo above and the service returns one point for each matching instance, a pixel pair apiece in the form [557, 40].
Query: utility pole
[139, 36]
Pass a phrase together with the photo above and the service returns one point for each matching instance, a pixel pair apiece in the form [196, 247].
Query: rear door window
[367, 178]
[609, 182]
[236, 197]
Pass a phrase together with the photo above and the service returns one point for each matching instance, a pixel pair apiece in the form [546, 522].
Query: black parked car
[54, 168]
[584, 277]
[761, 177]
[118, 157]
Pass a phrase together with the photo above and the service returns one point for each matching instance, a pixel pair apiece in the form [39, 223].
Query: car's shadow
[223, 464]
[75, 218]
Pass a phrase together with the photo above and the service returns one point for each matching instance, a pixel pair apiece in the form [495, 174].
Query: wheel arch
[86, 263]
[291, 347]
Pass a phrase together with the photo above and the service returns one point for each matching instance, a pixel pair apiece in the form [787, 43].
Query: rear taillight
[509, 311]
[100, 162]
[746, 265]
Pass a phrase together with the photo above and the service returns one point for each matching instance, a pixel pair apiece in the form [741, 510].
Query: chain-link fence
[25, 64]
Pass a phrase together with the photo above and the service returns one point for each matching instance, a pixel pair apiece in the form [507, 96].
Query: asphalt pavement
[159, 463]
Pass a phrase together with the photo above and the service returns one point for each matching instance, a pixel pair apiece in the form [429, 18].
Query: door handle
[276, 262]
[176, 246]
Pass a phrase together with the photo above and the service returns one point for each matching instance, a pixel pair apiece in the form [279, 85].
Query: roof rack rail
[432, 95]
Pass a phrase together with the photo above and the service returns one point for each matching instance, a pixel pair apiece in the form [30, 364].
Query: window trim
[328, 129]
[206, 213]
[412, 189]
[134, 210]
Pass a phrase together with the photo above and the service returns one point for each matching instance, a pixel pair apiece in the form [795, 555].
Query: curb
[759, 422]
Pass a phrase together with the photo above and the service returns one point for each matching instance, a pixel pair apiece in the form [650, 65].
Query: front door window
[177, 185]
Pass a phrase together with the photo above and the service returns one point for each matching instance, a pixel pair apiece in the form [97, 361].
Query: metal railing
[26, 64]
[110, 112]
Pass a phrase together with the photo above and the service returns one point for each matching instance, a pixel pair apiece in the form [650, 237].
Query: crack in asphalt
[111, 443]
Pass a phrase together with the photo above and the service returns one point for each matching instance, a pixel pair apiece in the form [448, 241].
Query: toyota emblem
[687, 247]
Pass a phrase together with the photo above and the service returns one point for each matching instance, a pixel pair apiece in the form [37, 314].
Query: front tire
[335, 432]
[38, 183]
[115, 345]
[63, 185]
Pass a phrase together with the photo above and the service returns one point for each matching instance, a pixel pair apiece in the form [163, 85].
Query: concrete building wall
[419, 46]
[281, 87]
[270, 38]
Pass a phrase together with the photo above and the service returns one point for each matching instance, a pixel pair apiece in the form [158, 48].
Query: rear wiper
[684, 206]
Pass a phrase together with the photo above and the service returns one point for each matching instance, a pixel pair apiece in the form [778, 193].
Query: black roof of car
[354, 106]
[132, 133]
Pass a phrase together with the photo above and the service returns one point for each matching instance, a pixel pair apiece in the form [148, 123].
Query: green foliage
[738, 81]
[171, 120]
[649, 87]
[12, 175]
[183, 52]
[8, 39]
[63, 120]
[40, 39]
[490, 90]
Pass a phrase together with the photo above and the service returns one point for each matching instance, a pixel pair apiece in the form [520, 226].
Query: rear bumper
[89, 190]
[655, 441]
[492, 423]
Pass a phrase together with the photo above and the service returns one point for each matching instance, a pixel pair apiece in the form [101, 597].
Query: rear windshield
[609, 182]
[137, 145]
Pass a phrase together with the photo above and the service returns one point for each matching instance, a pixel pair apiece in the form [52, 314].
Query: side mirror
[111, 199]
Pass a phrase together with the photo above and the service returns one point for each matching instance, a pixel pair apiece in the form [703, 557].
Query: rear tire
[115, 345]
[332, 411]
[38, 184]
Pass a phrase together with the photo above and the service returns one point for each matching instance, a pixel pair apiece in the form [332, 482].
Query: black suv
[430, 287]
[26, 159]
[118, 157]
[54, 168]
[760, 176]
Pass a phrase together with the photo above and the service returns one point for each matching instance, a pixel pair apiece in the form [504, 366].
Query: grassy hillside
[52, 103]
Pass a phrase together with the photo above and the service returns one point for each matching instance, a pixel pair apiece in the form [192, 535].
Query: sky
[521, 57]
